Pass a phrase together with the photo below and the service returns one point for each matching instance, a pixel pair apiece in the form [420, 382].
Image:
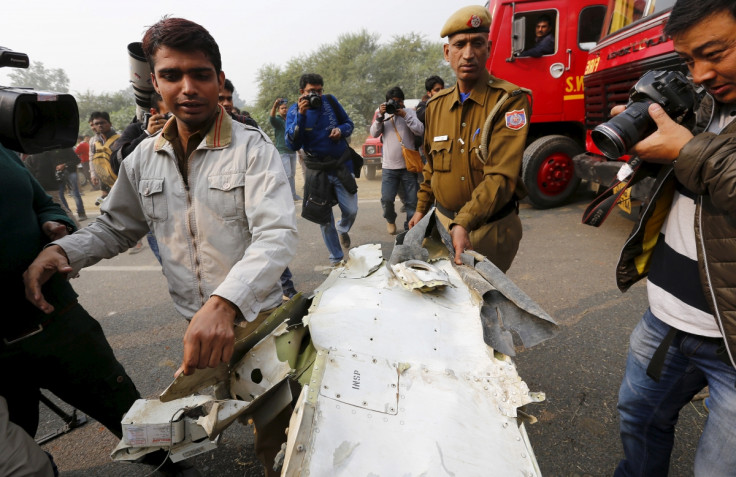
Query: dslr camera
[315, 100]
[392, 106]
[35, 121]
[669, 89]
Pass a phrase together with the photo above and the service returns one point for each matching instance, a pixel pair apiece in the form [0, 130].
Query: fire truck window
[542, 42]
[590, 25]
[626, 12]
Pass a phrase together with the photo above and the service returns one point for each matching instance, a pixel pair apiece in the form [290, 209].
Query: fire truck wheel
[548, 171]
[370, 172]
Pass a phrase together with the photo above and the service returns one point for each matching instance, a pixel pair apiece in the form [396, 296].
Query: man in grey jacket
[685, 244]
[214, 193]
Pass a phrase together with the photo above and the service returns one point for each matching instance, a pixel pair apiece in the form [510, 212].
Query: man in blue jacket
[319, 124]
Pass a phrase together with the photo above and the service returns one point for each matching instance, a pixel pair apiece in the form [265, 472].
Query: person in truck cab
[544, 39]
[685, 244]
[472, 174]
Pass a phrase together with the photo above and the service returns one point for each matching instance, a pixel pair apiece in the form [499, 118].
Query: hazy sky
[89, 39]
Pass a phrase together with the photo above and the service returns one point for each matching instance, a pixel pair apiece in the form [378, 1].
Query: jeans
[393, 180]
[289, 162]
[348, 204]
[648, 410]
[73, 182]
[287, 284]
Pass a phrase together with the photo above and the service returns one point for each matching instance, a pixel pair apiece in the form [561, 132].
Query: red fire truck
[632, 44]
[557, 132]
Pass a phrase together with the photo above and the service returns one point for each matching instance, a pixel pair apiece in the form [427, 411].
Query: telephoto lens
[618, 135]
[669, 89]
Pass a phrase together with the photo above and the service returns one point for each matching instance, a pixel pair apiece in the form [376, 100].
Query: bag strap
[111, 140]
[397, 132]
[601, 207]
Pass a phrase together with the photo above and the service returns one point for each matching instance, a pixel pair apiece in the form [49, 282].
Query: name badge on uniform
[515, 119]
[440, 138]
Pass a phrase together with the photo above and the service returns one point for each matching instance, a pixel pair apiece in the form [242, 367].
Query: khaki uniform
[460, 180]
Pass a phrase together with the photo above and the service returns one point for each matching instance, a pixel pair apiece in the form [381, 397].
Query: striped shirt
[674, 287]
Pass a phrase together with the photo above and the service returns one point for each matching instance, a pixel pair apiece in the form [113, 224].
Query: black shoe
[345, 240]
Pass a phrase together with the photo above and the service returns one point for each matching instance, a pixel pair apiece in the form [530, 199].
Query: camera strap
[598, 210]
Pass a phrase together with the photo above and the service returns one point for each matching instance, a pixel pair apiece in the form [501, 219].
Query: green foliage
[358, 71]
[38, 77]
[120, 105]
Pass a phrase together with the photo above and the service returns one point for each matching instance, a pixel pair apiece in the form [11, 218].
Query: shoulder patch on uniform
[516, 119]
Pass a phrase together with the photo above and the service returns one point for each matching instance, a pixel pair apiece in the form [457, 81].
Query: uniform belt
[11, 337]
[511, 206]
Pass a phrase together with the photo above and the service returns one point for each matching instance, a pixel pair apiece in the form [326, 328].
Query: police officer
[473, 167]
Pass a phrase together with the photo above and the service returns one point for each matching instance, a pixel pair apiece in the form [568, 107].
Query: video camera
[35, 121]
[669, 89]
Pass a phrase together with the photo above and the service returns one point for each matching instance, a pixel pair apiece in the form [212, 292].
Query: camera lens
[315, 101]
[615, 137]
[391, 107]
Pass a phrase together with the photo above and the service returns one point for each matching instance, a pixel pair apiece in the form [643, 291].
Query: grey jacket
[230, 232]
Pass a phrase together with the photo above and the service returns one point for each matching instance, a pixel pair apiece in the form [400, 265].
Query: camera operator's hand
[335, 134]
[382, 109]
[210, 338]
[50, 261]
[664, 145]
[303, 104]
[155, 123]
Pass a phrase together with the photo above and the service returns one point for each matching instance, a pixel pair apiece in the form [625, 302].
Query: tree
[120, 105]
[36, 76]
[358, 71]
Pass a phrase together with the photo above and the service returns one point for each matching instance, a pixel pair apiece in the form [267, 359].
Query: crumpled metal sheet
[502, 321]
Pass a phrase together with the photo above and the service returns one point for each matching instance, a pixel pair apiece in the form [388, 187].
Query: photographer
[403, 125]
[320, 125]
[685, 244]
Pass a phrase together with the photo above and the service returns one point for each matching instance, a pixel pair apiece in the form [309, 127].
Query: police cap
[470, 19]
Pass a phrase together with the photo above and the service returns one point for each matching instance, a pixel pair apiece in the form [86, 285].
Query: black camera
[669, 89]
[35, 121]
[315, 100]
[147, 116]
[392, 106]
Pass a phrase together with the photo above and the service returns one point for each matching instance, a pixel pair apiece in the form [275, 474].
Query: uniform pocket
[226, 195]
[154, 199]
[440, 155]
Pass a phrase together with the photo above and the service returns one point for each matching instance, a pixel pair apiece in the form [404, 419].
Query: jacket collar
[219, 136]
[477, 94]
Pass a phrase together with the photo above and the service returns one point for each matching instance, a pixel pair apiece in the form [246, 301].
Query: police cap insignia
[470, 19]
